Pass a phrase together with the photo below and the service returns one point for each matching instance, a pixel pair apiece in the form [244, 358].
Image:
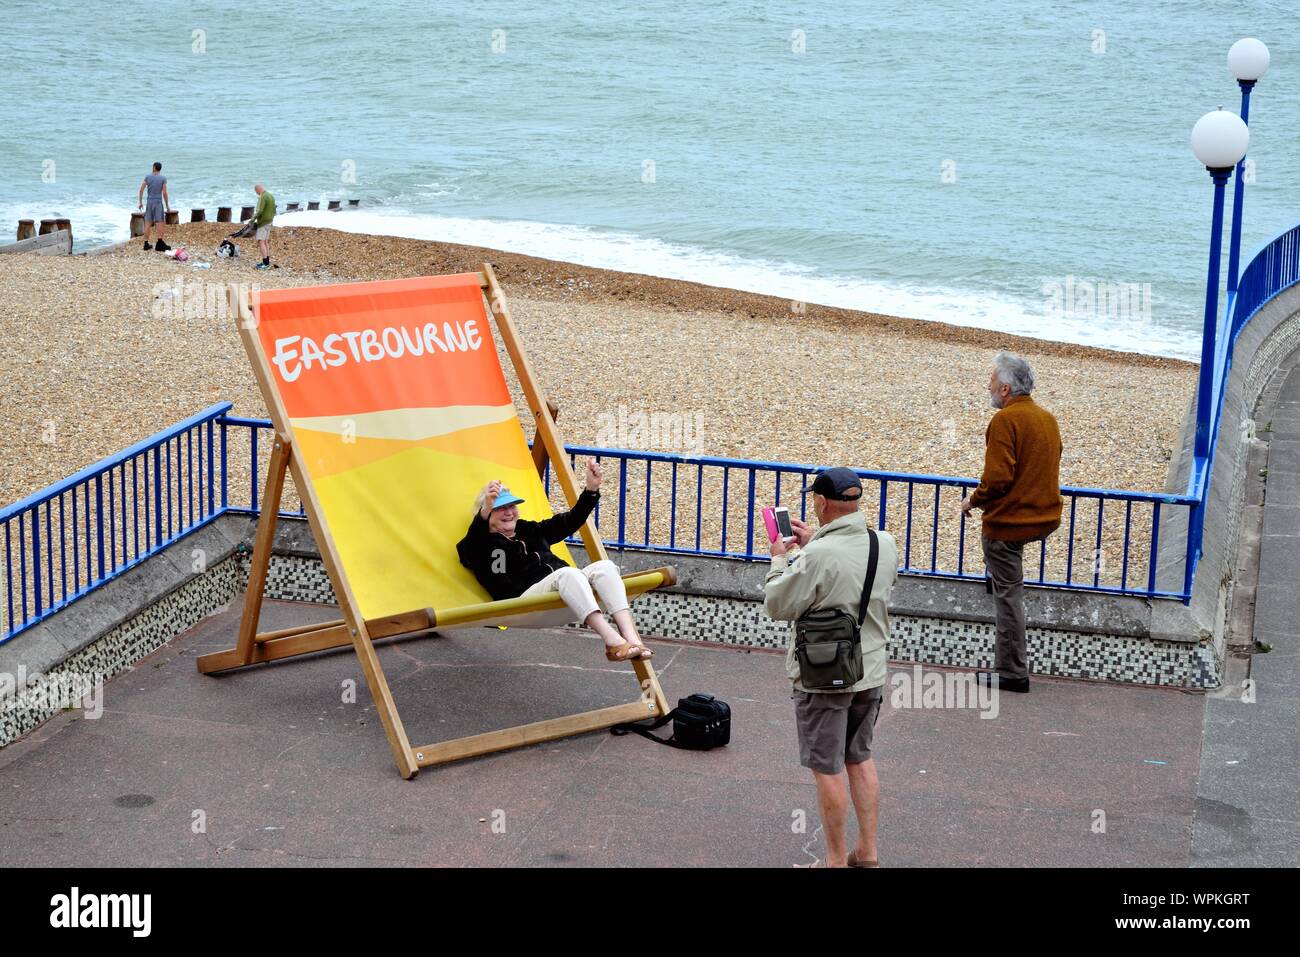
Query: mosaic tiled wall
[964, 644]
[120, 648]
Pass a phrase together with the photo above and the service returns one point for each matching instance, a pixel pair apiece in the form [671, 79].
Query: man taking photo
[835, 585]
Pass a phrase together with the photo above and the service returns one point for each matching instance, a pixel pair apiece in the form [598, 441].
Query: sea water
[963, 162]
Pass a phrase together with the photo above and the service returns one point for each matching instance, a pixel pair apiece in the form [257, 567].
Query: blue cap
[506, 497]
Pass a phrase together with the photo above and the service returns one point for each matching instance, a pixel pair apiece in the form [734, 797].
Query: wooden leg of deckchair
[651, 693]
[261, 560]
[540, 456]
[534, 733]
[547, 433]
[321, 636]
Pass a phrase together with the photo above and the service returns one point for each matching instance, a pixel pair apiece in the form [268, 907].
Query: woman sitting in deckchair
[511, 557]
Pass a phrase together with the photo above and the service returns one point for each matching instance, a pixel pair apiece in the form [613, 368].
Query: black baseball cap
[834, 483]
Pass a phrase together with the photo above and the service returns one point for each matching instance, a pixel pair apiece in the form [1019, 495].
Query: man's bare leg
[833, 802]
[864, 785]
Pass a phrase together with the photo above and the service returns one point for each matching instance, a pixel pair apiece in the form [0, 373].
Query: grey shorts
[154, 212]
[263, 232]
[836, 728]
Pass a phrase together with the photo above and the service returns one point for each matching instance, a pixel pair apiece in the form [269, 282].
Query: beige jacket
[828, 573]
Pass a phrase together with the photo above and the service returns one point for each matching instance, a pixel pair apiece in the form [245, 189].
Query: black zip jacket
[507, 567]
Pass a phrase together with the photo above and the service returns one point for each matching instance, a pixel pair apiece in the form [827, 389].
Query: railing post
[252, 480]
[225, 485]
[157, 497]
[36, 560]
[1195, 529]
[99, 522]
[622, 498]
[749, 523]
[1155, 545]
[212, 505]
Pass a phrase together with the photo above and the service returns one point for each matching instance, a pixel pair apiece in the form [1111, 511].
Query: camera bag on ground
[700, 722]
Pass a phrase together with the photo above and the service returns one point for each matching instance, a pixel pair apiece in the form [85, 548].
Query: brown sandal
[622, 652]
[855, 862]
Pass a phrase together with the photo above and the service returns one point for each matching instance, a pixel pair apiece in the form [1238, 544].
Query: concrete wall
[1264, 347]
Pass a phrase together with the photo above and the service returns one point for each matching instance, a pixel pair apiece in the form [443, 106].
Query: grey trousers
[1005, 565]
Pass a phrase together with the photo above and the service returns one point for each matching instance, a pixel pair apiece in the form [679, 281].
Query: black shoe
[161, 246]
[147, 247]
[995, 680]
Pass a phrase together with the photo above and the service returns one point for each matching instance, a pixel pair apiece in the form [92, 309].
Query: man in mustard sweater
[1020, 497]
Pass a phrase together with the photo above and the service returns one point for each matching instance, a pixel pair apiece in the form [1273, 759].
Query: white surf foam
[609, 249]
[93, 223]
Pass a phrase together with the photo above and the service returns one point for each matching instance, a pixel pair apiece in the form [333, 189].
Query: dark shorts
[835, 729]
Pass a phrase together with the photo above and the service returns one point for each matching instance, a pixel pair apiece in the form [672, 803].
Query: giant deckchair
[391, 411]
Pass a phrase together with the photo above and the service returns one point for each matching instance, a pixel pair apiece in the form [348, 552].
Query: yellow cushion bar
[636, 583]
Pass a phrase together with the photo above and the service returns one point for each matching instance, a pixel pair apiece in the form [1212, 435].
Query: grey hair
[479, 500]
[1014, 371]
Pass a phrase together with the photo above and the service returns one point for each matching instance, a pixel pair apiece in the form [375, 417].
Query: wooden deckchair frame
[252, 647]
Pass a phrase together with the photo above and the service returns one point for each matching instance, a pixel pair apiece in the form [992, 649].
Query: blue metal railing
[1273, 269]
[70, 538]
[717, 501]
[710, 506]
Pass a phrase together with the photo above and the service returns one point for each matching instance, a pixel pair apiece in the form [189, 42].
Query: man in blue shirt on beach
[155, 213]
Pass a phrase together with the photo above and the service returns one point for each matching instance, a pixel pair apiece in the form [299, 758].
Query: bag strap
[871, 575]
[644, 730]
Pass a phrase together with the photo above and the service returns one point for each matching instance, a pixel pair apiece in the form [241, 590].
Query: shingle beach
[99, 354]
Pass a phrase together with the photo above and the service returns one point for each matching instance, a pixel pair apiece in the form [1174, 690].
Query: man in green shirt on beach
[262, 218]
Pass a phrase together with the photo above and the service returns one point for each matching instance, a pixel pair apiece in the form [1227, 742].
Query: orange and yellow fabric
[399, 414]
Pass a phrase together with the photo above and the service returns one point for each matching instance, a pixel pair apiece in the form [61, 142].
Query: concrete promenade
[285, 773]
[1248, 801]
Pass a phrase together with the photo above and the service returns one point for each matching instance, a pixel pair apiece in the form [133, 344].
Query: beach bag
[700, 722]
[828, 643]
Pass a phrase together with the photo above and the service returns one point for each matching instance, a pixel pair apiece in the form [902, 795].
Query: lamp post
[1219, 140]
[1248, 59]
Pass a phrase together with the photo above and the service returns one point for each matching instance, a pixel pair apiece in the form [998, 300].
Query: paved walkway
[284, 772]
[1248, 797]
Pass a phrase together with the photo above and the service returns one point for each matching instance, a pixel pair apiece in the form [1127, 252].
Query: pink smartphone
[777, 520]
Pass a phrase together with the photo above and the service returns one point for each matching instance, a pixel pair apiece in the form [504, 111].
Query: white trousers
[575, 587]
